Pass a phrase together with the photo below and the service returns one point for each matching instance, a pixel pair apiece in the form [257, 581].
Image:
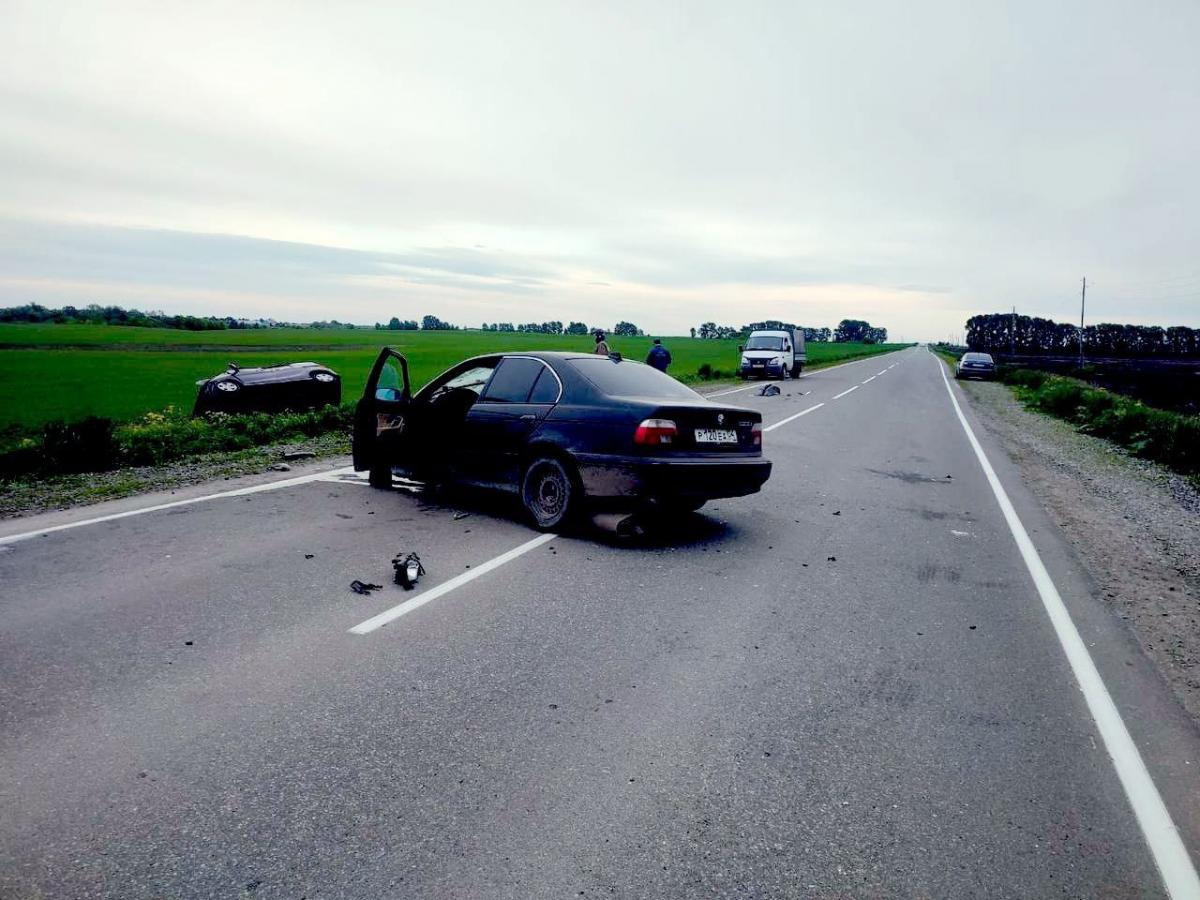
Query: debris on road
[408, 569]
[832, 559]
[363, 587]
[768, 390]
[309, 555]
[460, 515]
[281, 467]
[838, 513]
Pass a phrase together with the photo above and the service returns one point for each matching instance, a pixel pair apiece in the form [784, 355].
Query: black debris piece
[343, 516]
[408, 569]
[838, 513]
[189, 643]
[362, 587]
[769, 390]
[309, 555]
[833, 559]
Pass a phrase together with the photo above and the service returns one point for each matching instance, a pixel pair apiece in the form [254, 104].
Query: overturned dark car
[280, 388]
[567, 432]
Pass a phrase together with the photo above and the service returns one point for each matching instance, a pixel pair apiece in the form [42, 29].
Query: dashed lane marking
[803, 412]
[844, 393]
[391, 615]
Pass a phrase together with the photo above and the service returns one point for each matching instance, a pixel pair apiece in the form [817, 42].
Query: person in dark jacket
[659, 356]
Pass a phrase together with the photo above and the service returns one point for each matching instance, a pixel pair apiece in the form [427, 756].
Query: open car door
[380, 418]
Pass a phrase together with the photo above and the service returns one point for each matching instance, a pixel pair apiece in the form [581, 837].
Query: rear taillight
[756, 434]
[655, 432]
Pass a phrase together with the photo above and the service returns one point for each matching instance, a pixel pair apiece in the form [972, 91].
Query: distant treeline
[1004, 332]
[848, 331]
[115, 315]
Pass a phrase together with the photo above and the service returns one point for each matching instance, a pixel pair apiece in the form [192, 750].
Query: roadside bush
[707, 373]
[1170, 438]
[1026, 378]
[97, 445]
[84, 446]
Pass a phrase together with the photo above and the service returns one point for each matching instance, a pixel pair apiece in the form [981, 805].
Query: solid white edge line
[158, 507]
[401, 609]
[1166, 846]
[848, 362]
[803, 412]
[844, 393]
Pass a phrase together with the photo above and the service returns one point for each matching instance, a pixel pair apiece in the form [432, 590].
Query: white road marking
[734, 391]
[869, 380]
[804, 412]
[1178, 873]
[804, 375]
[844, 393]
[884, 372]
[391, 615]
[158, 507]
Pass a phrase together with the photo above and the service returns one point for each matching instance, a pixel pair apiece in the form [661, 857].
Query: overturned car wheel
[549, 493]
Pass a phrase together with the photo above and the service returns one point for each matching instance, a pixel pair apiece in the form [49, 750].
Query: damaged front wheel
[549, 493]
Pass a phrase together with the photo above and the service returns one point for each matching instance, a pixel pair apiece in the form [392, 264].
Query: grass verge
[1169, 438]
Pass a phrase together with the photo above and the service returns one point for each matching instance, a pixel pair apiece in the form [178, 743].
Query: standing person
[601, 345]
[659, 356]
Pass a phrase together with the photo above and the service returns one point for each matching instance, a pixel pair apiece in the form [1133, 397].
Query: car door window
[390, 385]
[546, 389]
[513, 380]
[472, 379]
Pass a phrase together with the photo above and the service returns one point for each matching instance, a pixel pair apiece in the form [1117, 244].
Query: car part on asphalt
[408, 569]
[769, 390]
[278, 388]
[364, 587]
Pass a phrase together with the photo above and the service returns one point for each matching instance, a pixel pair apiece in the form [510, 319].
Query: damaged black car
[569, 433]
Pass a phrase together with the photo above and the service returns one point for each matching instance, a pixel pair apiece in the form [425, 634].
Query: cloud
[920, 162]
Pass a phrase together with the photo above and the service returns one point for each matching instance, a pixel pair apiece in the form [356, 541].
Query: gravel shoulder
[1134, 525]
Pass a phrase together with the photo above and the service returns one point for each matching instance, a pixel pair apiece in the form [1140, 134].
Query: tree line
[1004, 332]
[95, 314]
[848, 330]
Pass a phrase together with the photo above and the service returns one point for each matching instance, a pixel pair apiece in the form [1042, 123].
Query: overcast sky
[910, 163]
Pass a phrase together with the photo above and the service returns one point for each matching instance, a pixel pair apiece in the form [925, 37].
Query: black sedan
[565, 431]
[975, 365]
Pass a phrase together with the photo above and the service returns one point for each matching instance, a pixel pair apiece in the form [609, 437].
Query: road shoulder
[1133, 525]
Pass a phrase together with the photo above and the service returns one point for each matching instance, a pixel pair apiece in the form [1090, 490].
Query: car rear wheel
[550, 493]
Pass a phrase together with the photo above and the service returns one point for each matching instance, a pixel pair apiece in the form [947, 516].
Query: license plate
[715, 436]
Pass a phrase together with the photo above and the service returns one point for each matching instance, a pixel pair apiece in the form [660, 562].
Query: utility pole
[1082, 306]
[1012, 335]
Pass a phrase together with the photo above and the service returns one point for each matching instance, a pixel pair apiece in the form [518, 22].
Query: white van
[773, 354]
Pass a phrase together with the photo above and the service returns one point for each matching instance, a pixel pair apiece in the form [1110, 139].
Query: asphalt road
[845, 686]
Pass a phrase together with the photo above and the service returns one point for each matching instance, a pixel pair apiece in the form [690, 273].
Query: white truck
[773, 354]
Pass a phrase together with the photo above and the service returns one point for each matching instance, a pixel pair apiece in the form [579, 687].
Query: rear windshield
[631, 379]
[977, 357]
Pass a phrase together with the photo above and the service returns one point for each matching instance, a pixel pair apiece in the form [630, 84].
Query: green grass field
[51, 372]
